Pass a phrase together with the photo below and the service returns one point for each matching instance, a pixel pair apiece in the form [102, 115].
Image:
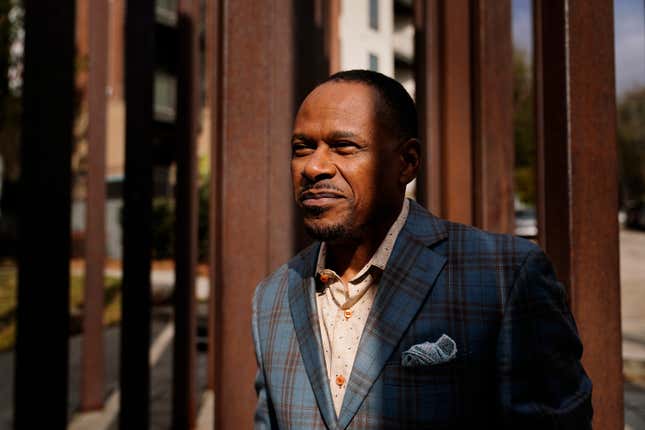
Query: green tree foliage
[163, 227]
[631, 145]
[523, 128]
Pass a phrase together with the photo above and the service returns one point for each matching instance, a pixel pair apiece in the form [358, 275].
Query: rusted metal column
[494, 148]
[137, 215]
[444, 73]
[92, 366]
[427, 45]
[578, 141]
[184, 351]
[260, 82]
[214, 39]
[44, 214]
[538, 109]
[116, 46]
[332, 34]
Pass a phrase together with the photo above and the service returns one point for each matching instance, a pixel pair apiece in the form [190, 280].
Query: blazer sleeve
[542, 384]
[264, 413]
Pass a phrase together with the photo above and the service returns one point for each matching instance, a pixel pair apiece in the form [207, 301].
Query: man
[396, 318]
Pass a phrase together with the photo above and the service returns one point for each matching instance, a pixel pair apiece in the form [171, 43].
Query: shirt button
[348, 313]
[340, 380]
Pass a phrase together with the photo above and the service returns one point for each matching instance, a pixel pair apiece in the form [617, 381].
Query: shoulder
[456, 240]
[472, 253]
[473, 240]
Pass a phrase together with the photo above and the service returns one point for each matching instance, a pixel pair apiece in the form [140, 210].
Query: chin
[327, 231]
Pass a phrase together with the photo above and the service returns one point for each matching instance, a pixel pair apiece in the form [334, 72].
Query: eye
[300, 149]
[345, 147]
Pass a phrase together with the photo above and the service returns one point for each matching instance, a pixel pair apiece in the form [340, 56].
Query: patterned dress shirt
[343, 308]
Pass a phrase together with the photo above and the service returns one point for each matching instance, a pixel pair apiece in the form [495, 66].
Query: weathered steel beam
[332, 34]
[185, 342]
[214, 38]
[579, 193]
[137, 215]
[259, 84]
[255, 202]
[44, 214]
[427, 45]
[92, 376]
[494, 149]
[444, 68]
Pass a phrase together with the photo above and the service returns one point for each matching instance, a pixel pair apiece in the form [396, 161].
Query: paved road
[632, 281]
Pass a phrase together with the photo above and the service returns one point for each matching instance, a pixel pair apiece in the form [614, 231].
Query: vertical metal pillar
[44, 217]
[260, 85]
[427, 45]
[137, 211]
[184, 351]
[332, 34]
[92, 365]
[443, 43]
[214, 39]
[494, 148]
[579, 204]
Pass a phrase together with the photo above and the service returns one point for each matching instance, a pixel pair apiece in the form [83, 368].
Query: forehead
[350, 106]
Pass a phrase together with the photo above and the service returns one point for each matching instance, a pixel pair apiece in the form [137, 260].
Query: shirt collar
[382, 255]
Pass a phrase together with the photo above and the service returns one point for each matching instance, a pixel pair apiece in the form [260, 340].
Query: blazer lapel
[403, 288]
[302, 304]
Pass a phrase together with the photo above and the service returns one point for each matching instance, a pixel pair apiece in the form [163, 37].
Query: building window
[373, 62]
[374, 14]
[166, 12]
[165, 97]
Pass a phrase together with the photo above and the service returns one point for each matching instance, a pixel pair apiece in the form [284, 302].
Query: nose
[318, 165]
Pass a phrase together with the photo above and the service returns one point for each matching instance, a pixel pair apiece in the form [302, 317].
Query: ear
[410, 155]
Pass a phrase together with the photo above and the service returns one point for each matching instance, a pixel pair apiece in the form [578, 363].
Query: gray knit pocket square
[430, 353]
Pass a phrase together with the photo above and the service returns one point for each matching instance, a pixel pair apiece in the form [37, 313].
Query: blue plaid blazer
[518, 353]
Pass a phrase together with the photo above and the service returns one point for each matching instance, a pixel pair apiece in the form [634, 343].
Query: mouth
[319, 198]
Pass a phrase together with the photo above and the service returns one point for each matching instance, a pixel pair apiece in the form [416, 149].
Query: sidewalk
[632, 280]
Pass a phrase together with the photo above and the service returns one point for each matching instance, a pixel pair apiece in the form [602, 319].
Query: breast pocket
[423, 397]
[436, 375]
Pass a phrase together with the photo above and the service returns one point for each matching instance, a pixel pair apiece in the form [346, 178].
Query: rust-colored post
[538, 109]
[41, 357]
[332, 34]
[494, 148]
[580, 204]
[116, 46]
[184, 351]
[444, 47]
[427, 45]
[213, 64]
[92, 366]
[137, 215]
[261, 77]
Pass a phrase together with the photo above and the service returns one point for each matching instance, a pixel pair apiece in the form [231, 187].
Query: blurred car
[525, 222]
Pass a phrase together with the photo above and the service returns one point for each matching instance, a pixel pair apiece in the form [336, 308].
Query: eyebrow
[340, 134]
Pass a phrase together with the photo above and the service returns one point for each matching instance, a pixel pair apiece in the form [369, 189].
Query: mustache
[318, 186]
[308, 187]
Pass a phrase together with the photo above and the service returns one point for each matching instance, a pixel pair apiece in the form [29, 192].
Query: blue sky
[629, 28]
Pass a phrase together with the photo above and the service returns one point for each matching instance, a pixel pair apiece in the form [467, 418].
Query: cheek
[365, 183]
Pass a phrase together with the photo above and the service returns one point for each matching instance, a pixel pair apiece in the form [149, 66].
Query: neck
[347, 258]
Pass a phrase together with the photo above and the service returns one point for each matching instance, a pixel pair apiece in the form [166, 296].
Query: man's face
[345, 165]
